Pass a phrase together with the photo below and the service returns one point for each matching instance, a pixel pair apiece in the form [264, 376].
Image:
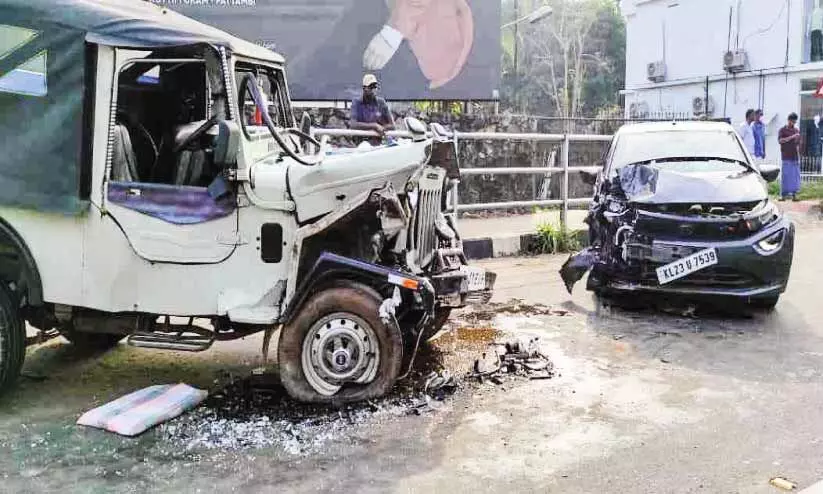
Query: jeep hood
[345, 173]
[646, 184]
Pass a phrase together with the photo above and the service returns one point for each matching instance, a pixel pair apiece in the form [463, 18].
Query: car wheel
[337, 350]
[764, 303]
[12, 340]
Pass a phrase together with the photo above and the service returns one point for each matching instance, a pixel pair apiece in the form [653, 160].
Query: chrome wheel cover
[340, 348]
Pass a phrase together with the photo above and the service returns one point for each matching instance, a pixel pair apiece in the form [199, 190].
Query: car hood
[645, 184]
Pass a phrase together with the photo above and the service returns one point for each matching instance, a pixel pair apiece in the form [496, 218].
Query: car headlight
[767, 214]
[772, 243]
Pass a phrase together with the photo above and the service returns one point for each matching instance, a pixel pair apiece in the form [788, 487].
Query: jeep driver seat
[124, 160]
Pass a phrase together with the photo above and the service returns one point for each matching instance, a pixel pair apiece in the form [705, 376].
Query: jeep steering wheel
[249, 84]
[199, 131]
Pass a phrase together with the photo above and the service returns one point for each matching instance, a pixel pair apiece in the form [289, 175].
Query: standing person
[370, 111]
[759, 131]
[747, 132]
[789, 139]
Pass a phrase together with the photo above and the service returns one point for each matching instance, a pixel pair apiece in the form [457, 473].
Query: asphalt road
[646, 401]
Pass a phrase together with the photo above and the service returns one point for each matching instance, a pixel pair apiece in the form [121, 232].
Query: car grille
[718, 277]
[430, 196]
[660, 228]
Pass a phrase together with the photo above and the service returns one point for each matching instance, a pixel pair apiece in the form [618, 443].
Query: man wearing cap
[370, 111]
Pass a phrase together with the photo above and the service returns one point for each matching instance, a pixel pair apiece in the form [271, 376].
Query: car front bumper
[743, 268]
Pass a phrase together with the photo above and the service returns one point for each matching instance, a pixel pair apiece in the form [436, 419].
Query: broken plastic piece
[577, 266]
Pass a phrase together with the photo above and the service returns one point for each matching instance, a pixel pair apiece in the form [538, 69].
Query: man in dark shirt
[370, 111]
[789, 139]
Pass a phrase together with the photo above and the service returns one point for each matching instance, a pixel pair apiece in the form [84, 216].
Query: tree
[571, 63]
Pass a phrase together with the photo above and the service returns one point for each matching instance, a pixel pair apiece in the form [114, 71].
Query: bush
[553, 239]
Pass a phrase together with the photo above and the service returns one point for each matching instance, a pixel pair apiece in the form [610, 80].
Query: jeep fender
[17, 265]
[330, 268]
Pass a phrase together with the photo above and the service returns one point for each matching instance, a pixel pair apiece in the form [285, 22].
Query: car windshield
[712, 148]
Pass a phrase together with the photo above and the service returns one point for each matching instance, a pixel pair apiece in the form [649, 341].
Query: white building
[743, 53]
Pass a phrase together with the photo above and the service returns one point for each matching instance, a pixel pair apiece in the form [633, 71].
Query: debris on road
[256, 413]
[143, 409]
[516, 358]
[783, 484]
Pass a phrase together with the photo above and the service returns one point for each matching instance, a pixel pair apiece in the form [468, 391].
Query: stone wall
[478, 154]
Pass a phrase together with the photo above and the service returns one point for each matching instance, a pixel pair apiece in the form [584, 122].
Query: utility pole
[516, 57]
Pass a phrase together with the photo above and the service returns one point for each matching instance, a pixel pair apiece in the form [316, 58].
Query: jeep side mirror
[226, 144]
[305, 127]
[769, 172]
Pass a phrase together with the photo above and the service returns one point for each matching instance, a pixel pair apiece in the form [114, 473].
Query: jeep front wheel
[12, 339]
[337, 350]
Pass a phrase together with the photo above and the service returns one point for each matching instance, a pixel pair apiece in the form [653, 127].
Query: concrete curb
[506, 246]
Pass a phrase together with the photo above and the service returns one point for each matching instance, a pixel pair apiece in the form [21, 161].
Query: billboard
[419, 49]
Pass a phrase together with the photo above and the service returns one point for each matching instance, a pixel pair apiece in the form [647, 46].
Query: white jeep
[153, 171]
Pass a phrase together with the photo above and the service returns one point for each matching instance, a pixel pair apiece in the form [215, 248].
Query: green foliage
[553, 239]
[808, 191]
[540, 78]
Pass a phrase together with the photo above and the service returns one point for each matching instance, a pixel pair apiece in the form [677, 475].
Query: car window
[29, 78]
[639, 147]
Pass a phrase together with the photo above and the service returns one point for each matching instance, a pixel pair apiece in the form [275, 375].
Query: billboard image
[419, 49]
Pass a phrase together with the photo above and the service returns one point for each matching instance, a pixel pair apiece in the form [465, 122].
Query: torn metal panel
[577, 265]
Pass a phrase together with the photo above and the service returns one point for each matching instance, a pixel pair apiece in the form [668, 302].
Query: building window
[813, 31]
[29, 77]
[811, 127]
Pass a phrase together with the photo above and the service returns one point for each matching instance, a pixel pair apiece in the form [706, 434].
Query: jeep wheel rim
[340, 348]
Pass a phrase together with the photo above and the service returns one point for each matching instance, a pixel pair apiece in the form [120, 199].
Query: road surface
[646, 402]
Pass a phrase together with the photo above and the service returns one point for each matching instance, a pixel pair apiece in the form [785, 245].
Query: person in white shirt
[746, 131]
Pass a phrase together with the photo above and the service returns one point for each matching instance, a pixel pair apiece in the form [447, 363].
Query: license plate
[686, 266]
[475, 277]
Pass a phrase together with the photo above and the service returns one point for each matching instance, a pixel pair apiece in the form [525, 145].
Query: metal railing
[564, 139]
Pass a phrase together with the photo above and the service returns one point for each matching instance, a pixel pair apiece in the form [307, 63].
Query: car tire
[358, 306]
[12, 339]
[764, 303]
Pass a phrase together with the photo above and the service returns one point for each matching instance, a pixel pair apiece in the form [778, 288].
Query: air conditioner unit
[656, 71]
[699, 106]
[735, 61]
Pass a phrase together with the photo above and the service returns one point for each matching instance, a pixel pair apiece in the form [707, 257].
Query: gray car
[682, 208]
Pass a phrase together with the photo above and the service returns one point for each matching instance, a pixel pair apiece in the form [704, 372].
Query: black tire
[359, 301]
[12, 339]
[92, 341]
[764, 303]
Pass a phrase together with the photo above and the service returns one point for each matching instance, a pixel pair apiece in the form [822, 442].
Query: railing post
[564, 187]
[455, 184]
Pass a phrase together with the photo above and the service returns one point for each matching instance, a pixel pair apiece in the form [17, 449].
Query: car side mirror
[226, 144]
[769, 172]
[589, 178]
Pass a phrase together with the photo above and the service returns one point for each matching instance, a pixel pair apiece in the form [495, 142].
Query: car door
[157, 195]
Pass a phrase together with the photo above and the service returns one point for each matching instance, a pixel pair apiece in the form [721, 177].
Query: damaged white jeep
[155, 188]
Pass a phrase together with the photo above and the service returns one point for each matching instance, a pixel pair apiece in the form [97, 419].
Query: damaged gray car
[682, 209]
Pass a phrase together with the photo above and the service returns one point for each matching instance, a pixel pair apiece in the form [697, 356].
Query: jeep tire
[352, 302]
[12, 339]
